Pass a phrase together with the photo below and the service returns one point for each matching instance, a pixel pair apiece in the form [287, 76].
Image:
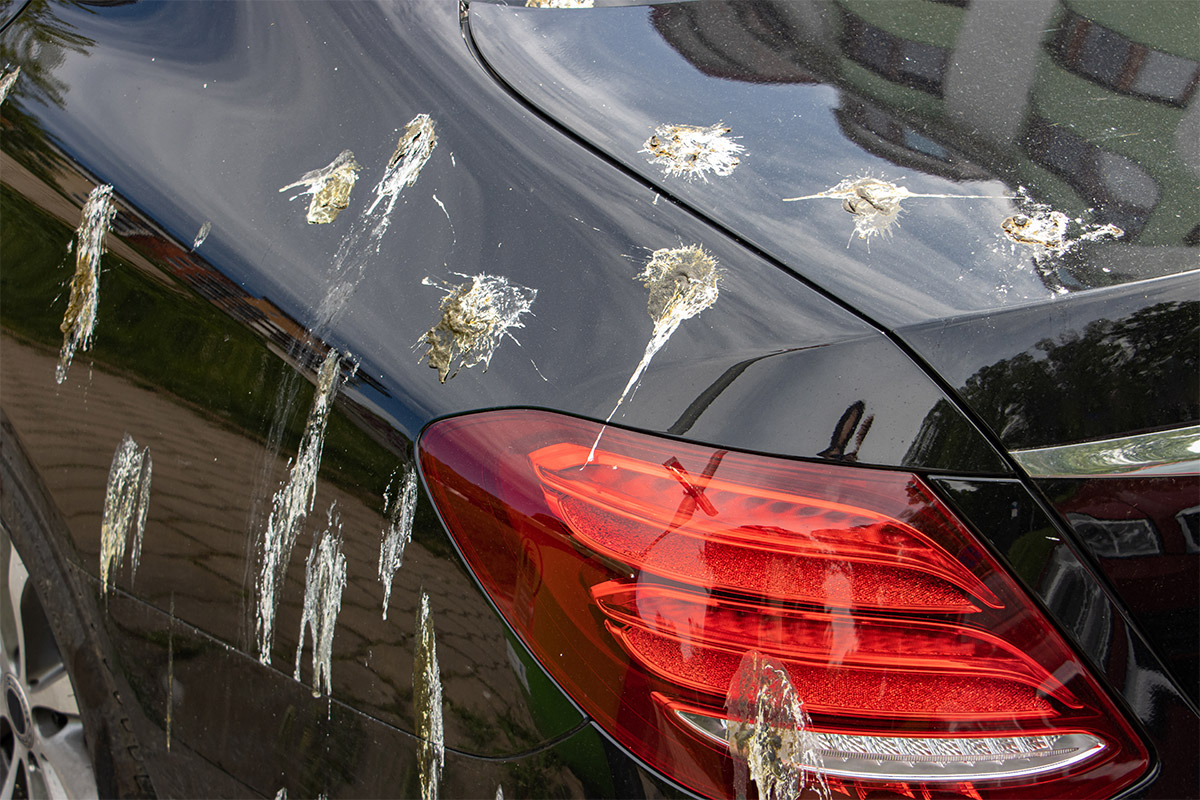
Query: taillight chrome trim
[963, 758]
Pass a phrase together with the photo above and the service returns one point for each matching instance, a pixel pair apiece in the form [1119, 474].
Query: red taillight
[643, 575]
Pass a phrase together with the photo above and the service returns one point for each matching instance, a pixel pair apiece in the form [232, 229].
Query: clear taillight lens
[643, 575]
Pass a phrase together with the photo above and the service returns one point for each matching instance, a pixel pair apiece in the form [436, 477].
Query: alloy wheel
[43, 753]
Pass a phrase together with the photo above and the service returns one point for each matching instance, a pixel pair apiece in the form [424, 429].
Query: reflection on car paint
[293, 501]
[324, 581]
[202, 234]
[404, 167]
[7, 82]
[682, 283]
[691, 151]
[875, 204]
[329, 187]
[427, 703]
[79, 321]
[475, 317]
[399, 510]
[126, 505]
[769, 733]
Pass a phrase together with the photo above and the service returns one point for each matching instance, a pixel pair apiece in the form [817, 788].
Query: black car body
[924, 437]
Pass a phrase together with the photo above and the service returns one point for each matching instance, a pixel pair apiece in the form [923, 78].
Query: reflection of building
[1091, 106]
[152, 250]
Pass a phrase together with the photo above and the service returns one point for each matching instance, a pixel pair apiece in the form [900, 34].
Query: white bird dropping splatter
[560, 3]
[768, 733]
[412, 152]
[1048, 232]
[690, 152]
[475, 317]
[875, 204]
[126, 506]
[202, 234]
[79, 321]
[427, 703]
[292, 502]
[683, 281]
[324, 581]
[330, 188]
[7, 82]
[400, 509]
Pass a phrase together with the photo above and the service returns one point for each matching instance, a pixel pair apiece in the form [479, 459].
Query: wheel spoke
[54, 693]
[66, 767]
[12, 632]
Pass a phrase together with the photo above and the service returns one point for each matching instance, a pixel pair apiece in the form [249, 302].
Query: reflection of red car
[1143, 534]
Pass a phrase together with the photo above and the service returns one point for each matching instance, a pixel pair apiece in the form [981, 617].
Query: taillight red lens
[642, 574]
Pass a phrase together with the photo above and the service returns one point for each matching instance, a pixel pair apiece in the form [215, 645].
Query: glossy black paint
[1142, 532]
[197, 357]
[1045, 557]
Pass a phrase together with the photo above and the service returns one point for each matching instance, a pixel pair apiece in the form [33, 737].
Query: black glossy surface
[1045, 559]
[942, 98]
[1101, 364]
[1144, 534]
[196, 112]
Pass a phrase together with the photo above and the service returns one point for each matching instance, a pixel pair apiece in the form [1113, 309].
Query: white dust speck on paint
[690, 151]
[79, 321]
[324, 582]
[769, 734]
[329, 188]
[560, 3]
[126, 507]
[474, 318]
[293, 501]
[683, 281]
[399, 508]
[427, 704]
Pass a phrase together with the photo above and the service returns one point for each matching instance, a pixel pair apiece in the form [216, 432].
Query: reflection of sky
[290, 86]
[615, 82]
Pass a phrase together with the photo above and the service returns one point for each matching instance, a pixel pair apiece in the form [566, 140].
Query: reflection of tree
[36, 41]
[1114, 377]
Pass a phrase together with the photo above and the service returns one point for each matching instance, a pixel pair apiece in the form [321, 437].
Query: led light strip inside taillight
[645, 578]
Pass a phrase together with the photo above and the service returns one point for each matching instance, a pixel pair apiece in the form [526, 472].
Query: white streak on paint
[875, 204]
[560, 3]
[769, 733]
[475, 317]
[329, 187]
[292, 503]
[412, 152]
[324, 582]
[499, 793]
[683, 281]
[691, 152]
[79, 321]
[170, 668]
[126, 505]
[202, 234]
[427, 703]
[7, 82]
[281, 794]
[399, 508]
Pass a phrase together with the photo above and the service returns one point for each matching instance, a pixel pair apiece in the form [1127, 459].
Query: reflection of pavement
[196, 549]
